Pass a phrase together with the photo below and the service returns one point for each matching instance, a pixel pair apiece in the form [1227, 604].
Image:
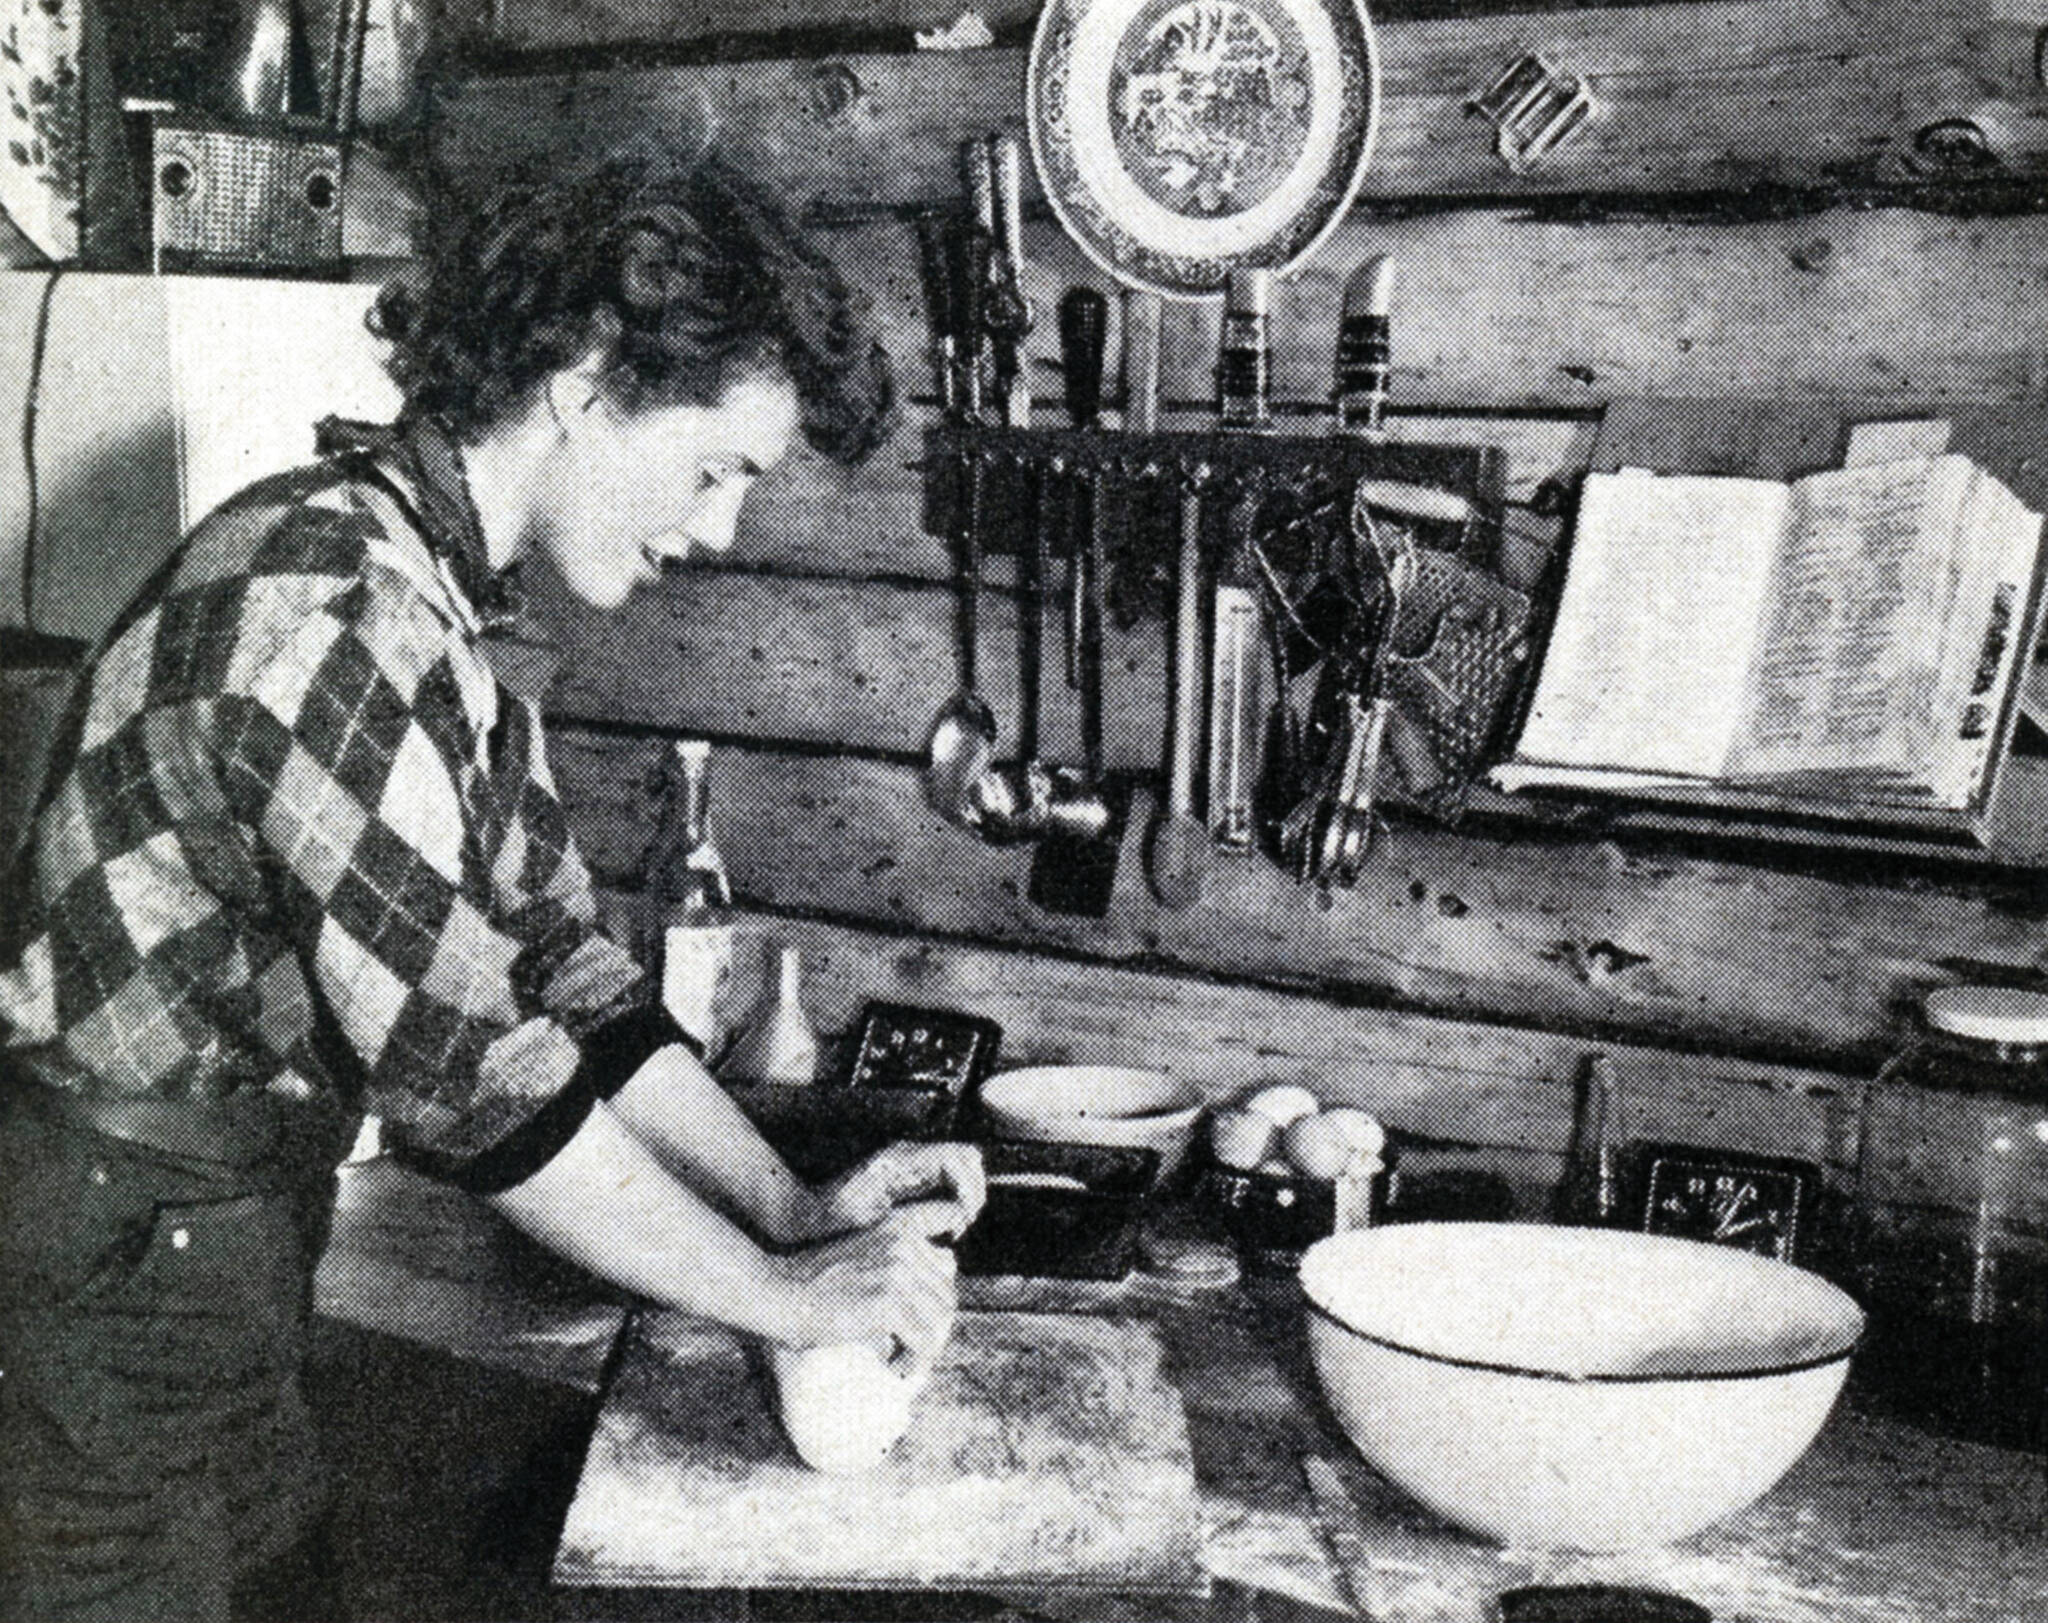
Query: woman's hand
[888, 1285]
[942, 1174]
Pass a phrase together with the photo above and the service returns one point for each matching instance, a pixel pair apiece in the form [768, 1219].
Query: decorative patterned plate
[1179, 139]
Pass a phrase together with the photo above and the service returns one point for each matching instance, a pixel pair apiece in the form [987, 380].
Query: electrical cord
[32, 530]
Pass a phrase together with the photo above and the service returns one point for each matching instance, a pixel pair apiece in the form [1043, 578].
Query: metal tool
[1348, 834]
[1244, 368]
[1329, 832]
[1337, 1520]
[1383, 1570]
[972, 279]
[1178, 853]
[1142, 312]
[1364, 351]
[938, 259]
[1009, 312]
[1411, 500]
[1075, 868]
[1235, 661]
[1014, 801]
[1084, 336]
[1048, 508]
[960, 746]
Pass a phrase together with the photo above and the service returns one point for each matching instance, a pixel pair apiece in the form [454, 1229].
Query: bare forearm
[607, 1204]
[691, 1126]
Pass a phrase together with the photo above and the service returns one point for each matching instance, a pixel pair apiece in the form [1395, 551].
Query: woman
[301, 858]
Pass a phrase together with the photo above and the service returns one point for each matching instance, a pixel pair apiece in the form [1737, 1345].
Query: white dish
[1095, 1104]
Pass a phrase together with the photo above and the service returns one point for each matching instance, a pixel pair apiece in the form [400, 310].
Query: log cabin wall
[1774, 206]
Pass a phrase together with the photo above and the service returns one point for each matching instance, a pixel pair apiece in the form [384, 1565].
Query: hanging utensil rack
[1300, 489]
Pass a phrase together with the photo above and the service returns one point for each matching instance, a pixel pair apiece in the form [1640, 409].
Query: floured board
[1048, 1452]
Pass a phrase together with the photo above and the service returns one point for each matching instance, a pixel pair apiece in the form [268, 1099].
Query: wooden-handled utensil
[1009, 313]
[960, 746]
[1084, 338]
[1177, 856]
[1075, 867]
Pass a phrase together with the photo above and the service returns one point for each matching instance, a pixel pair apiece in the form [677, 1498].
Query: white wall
[159, 397]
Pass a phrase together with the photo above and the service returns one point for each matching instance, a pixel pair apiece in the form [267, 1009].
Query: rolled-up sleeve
[428, 880]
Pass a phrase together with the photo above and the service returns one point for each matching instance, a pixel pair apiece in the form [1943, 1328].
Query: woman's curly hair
[684, 278]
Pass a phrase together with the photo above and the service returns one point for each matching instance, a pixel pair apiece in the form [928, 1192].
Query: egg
[1361, 1130]
[1241, 1138]
[1317, 1146]
[1283, 1103]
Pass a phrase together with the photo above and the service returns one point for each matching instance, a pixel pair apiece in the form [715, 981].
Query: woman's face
[630, 491]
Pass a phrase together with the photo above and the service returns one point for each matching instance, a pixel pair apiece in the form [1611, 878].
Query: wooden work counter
[1879, 1523]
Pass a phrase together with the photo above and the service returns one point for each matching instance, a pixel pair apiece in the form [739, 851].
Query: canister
[1951, 1218]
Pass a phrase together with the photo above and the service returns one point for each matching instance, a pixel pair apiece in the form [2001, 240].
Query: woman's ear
[572, 396]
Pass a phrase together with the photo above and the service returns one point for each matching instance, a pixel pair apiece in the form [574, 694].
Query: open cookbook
[1845, 646]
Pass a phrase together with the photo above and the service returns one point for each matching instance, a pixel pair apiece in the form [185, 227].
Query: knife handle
[1084, 334]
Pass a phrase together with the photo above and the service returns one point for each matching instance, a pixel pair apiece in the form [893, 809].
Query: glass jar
[1952, 1218]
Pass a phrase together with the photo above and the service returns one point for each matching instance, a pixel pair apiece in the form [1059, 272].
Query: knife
[1337, 1520]
[1394, 1575]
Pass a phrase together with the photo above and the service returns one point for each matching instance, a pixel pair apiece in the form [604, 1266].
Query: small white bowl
[1095, 1104]
[1573, 1389]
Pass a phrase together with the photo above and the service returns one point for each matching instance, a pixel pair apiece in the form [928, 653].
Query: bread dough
[844, 1407]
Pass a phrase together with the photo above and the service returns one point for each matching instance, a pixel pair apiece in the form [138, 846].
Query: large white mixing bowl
[1563, 1388]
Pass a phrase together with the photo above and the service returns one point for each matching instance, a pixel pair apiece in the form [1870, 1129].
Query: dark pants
[156, 1457]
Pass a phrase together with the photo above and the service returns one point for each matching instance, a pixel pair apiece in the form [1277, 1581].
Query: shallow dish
[1584, 1389]
[1095, 1104]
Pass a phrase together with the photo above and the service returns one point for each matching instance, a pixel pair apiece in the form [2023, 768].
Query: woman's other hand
[888, 1284]
[945, 1175]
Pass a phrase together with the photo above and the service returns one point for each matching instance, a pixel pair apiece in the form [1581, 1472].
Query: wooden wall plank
[827, 663]
[1500, 308]
[1711, 96]
[555, 25]
[1493, 1086]
[1506, 1089]
[1496, 309]
[1570, 936]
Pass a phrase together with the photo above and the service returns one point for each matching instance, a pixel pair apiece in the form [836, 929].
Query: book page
[1662, 604]
[1847, 665]
[1988, 653]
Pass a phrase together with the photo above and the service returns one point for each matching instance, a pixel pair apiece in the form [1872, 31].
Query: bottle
[1958, 1298]
[779, 1045]
[687, 900]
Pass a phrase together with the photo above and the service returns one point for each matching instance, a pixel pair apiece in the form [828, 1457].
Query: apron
[155, 1448]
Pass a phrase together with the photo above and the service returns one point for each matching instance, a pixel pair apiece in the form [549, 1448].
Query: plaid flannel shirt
[299, 839]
